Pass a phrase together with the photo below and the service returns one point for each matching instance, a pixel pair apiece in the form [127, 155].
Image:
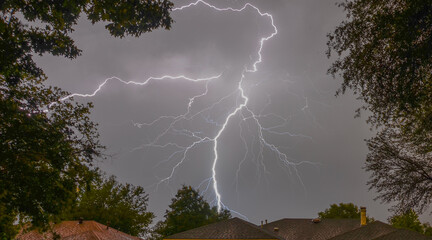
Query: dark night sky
[291, 82]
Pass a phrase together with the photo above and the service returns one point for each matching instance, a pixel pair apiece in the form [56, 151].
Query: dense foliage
[409, 220]
[48, 24]
[47, 145]
[343, 210]
[384, 56]
[120, 206]
[189, 210]
[46, 151]
[8, 228]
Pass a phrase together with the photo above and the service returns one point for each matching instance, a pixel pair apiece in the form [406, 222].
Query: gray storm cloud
[291, 83]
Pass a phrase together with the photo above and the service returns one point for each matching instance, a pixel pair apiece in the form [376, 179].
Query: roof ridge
[310, 219]
[73, 228]
[403, 231]
[362, 229]
[387, 234]
[230, 223]
[99, 225]
[260, 228]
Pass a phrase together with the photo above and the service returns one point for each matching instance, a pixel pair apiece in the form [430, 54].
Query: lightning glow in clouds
[241, 110]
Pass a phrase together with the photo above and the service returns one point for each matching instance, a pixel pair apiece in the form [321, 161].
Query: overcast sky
[290, 90]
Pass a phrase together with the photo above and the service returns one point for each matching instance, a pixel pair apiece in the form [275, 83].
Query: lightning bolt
[197, 138]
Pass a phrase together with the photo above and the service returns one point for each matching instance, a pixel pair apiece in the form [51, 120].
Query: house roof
[370, 231]
[290, 228]
[233, 228]
[72, 230]
[403, 234]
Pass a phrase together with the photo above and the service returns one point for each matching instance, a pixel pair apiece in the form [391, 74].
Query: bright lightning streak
[275, 31]
[240, 88]
[241, 110]
[137, 83]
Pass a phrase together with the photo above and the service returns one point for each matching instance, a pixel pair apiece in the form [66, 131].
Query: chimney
[261, 224]
[266, 221]
[80, 220]
[363, 216]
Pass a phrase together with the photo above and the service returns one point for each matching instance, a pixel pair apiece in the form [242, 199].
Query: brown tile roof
[402, 234]
[233, 228]
[71, 230]
[305, 229]
[371, 231]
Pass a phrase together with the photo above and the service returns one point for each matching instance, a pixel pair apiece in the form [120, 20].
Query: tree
[384, 56]
[409, 220]
[343, 210]
[48, 145]
[7, 219]
[121, 206]
[427, 229]
[189, 210]
[400, 171]
[47, 149]
[18, 41]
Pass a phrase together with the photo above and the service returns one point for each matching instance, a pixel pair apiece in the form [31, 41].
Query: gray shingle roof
[371, 231]
[306, 229]
[288, 229]
[402, 234]
[233, 228]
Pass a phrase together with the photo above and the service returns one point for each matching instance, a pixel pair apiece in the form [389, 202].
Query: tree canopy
[409, 220]
[46, 150]
[48, 24]
[342, 210]
[188, 210]
[400, 171]
[48, 145]
[120, 206]
[8, 227]
[383, 55]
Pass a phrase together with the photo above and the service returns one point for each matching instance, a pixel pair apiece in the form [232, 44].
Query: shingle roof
[71, 230]
[334, 229]
[305, 229]
[233, 228]
[402, 234]
[371, 231]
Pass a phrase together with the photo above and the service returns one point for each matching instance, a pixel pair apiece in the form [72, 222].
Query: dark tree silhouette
[46, 152]
[121, 206]
[409, 220]
[188, 210]
[18, 40]
[401, 171]
[384, 55]
[342, 210]
[47, 149]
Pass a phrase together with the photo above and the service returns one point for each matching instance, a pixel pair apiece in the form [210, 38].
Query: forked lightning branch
[241, 110]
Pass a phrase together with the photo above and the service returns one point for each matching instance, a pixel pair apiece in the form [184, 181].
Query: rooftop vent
[276, 229]
[80, 220]
[316, 220]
